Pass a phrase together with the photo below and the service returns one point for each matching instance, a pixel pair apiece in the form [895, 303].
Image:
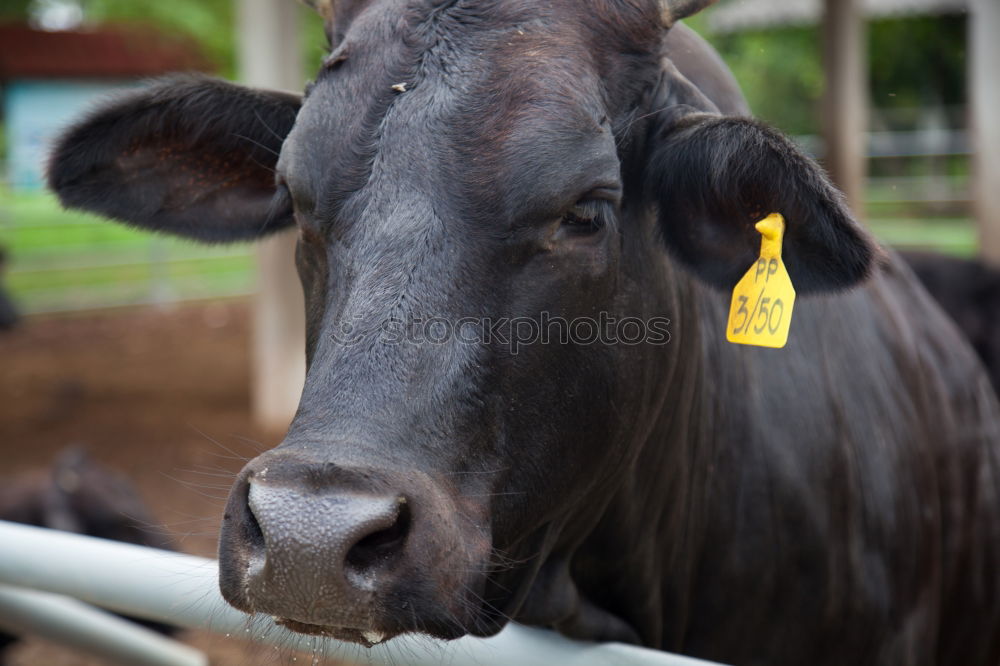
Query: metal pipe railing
[75, 624]
[182, 590]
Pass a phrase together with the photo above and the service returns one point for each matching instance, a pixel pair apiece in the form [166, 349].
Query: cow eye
[587, 216]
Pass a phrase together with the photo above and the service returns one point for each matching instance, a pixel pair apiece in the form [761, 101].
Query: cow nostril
[254, 535]
[379, 547]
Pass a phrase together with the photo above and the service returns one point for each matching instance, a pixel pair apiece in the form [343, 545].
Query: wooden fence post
[845, 100]
[270, 56]
[984, 88]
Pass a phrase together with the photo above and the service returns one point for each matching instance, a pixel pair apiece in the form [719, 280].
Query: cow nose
[349, 535]
[315, 545]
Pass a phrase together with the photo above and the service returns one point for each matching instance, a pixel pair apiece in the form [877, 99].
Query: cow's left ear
[714, 177]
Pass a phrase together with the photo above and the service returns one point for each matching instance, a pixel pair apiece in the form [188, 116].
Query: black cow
[76, 494]
[462, 165]
[8, 311]
[969, 291]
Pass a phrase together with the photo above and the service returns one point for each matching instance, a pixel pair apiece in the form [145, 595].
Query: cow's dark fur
[78, 495]
[969, 291]
[833, 502]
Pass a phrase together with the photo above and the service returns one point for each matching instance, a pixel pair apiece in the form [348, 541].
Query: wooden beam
[845, 100]
[984, 87]
[270, 57]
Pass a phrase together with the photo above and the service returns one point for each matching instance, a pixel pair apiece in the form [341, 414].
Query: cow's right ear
[712, 178]
[189, 155]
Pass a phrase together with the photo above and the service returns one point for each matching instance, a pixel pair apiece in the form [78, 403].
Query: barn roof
[737, 15]
[106, 52]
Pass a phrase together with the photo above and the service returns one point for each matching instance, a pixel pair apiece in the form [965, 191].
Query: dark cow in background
[969, 291]
[76, 494]
[8, 311]
[832, 502]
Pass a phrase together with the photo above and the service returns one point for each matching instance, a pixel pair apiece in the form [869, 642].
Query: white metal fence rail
[77, 625]
[182, 590]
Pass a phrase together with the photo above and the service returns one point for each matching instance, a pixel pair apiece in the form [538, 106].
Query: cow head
[77, 494]
[458, 172]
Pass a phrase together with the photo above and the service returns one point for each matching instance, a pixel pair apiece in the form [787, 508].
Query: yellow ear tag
[761, 312]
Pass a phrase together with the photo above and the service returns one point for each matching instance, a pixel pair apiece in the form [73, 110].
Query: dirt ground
[160, 395]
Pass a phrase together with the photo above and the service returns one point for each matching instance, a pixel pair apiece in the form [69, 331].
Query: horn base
[672, 11]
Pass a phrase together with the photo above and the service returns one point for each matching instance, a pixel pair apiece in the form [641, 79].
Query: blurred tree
[781, 74]
[915, 62]
[919, 62]
[13, 9]
[779, 69]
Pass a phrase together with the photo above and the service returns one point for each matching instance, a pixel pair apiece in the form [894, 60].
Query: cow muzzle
[354, 553]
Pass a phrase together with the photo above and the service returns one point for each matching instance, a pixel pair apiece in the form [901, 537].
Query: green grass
[63, 260]
[950, 235]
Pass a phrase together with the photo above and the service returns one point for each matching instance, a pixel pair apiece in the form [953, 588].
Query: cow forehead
[475, 63]
[485, 100]
[634, 20]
